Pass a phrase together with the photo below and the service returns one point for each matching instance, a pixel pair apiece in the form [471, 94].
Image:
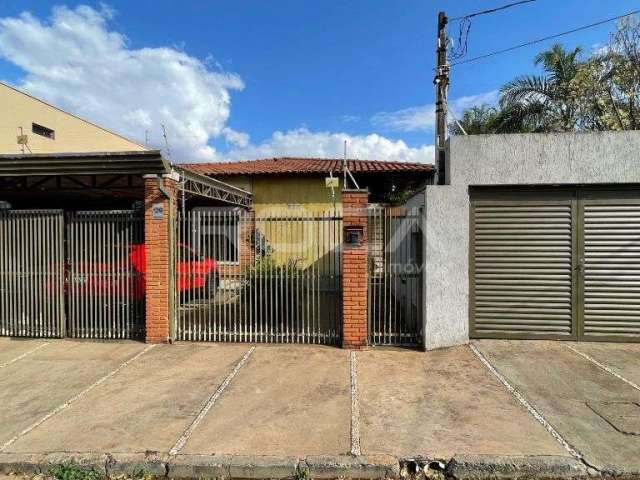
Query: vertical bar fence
[395, 275]
[105, 274]
[241, 277]
[31, 273]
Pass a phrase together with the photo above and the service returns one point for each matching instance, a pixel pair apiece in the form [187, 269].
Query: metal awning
[92, 163]
[105, 170]
[203, 186]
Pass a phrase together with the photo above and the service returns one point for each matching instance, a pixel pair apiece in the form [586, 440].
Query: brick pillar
[159, 212]
[354, 270]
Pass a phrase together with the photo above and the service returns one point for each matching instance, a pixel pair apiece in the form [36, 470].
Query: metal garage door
[521, 268]
[555, 263]
[610, 280]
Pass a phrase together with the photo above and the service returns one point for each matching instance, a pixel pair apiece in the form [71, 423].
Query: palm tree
[475, 120]
[543, 103]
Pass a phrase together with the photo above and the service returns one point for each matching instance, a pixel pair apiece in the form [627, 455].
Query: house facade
[532, 237]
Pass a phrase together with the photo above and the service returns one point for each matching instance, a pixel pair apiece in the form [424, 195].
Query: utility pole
[441, 82]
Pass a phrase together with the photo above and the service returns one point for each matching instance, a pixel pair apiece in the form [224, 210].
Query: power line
[492, 10]
[539, 40]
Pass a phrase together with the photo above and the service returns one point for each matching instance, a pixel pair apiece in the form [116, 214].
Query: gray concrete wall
[527, 159]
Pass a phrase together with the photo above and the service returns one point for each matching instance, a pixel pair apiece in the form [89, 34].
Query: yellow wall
[72, 134]
[306, 243]
[287, 194]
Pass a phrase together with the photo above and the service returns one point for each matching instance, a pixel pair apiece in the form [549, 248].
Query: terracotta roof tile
[290, 165]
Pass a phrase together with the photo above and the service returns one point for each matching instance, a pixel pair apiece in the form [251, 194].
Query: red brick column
[354, 270]
[159, 212]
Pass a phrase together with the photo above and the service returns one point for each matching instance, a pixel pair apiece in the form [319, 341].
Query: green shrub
[72, 471]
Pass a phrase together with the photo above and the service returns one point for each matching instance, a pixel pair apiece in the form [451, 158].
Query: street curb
[133, 464]
[361, 466]
[365, 467]
[37, 463]
[483, 467]
[184, 466]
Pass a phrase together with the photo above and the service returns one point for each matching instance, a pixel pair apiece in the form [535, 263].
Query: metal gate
[395, 276]
[105, 274]
[267, 278]
[31, 273]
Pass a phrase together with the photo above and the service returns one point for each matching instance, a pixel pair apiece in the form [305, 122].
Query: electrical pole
[441, 82]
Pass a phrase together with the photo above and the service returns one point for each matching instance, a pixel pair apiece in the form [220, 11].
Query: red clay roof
[290, 165]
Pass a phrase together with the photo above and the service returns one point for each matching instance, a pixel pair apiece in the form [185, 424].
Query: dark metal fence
[31, 273]
[395, 274]
[105, 274]
[266, 278]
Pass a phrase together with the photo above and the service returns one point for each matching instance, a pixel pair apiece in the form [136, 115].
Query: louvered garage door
[521, 268]
[611, 252]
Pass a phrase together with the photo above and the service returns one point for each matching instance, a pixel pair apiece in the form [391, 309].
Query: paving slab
[442, 403]
[146, 406]
[40, 382]
[11, 349]
[288, 400]
[568, 390]
[622, 358]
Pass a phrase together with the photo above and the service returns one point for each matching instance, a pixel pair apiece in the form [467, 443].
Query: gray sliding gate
[395, 276]
[31, 273]
[85, 282]
[264, 278]
[105, 281]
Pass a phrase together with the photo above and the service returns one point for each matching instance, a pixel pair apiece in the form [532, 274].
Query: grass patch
[72, 471]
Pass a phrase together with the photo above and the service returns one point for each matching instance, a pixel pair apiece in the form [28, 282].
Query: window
[43, 131]
[220, 235]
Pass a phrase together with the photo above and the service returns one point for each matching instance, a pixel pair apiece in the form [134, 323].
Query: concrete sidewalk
[192, 410]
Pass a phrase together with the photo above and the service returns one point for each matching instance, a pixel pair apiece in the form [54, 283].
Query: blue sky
[310, 70]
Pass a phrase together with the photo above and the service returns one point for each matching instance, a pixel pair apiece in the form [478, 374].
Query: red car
[125, 277]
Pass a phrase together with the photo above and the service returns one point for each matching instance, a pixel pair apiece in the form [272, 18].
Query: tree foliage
[600, 92]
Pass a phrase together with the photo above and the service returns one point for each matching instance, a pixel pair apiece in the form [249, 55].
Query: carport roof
[88, 163]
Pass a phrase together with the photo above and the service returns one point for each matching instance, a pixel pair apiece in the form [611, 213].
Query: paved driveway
[589, 392]
[68, 396]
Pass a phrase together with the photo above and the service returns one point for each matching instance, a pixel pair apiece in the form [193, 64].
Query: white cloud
[75, 61]
[302, 142]
[422, 118]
